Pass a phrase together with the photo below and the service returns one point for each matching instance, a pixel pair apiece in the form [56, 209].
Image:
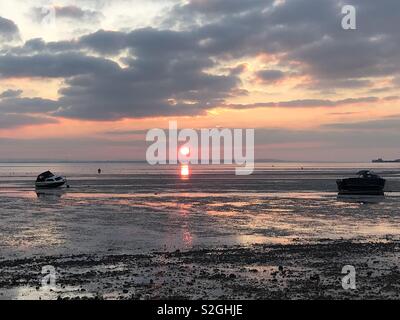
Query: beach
[139, 232]
[306, 271]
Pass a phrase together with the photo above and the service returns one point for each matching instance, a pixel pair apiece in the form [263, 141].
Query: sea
[134, 207]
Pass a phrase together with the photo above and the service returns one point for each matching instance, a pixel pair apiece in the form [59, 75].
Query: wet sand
[129, 234]
[291, 271]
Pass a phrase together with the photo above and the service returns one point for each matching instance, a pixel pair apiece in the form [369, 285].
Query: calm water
[135, 207]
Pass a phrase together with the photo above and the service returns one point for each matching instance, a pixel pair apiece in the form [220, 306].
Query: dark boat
[49, 180]
[380, 160]
[367, 183]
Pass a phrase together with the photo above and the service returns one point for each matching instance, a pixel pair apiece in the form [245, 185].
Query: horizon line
[5, 161]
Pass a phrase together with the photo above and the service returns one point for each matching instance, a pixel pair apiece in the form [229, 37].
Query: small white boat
[49, 180]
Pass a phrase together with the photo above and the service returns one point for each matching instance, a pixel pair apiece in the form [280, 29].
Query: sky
[85, 79]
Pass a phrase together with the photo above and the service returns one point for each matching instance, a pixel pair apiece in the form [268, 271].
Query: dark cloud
[309, 33]
[76, 13]
[330, 138]
[389, 123]
[149, 88]
[270, 76]
[126, 132]
[239, 69]
[220, 7]
[27, 105]
[382, 89]
[8, 30]
[197, 12]
[331, 85]
[167, 76]
[8, 121]
[10, 94]
[391, 98]
[20, 112]
[68, 13]
[167, 71]
[345, 113]
[105, 42]
[39, 46]
[305, 103]
[345, 60]
[54, 66]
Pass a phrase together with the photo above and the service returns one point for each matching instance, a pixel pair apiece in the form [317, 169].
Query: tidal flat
[138, 232]
[293, 271]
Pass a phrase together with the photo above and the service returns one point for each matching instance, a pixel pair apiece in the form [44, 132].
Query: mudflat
[291, 271]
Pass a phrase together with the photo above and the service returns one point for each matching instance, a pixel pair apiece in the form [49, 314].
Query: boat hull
[49, 185]
[361, 186]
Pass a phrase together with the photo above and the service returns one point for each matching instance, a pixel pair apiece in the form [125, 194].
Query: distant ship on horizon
[380, 160]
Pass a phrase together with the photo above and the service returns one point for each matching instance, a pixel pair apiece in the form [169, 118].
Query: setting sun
[184, 151]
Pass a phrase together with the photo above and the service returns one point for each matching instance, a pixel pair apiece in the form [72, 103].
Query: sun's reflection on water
[185, 172]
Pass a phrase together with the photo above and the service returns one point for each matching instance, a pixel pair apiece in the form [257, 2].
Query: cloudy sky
[85, 79]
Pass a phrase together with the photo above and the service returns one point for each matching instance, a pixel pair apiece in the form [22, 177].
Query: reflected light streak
[185, 171]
